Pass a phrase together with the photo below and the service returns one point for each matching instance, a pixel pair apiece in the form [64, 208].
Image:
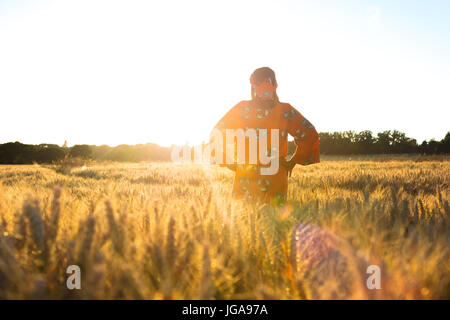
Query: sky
[127, 72]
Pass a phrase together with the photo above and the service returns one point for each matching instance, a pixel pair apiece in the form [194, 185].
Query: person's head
[264, 84]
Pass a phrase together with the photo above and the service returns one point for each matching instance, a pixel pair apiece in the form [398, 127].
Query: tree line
[330, 143]
[386, 142]
[19, 153]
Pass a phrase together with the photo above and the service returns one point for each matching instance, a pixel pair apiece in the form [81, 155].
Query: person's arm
[306, 139]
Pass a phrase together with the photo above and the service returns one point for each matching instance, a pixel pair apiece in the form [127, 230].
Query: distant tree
[49, 154]
[384, 142]
[81, 150]
[17, 153]
[433, 147]
[120, 153]
[444, 146]
[292, 147]
[365, 142]
[400, 143]
[100, 152]
[338, 143]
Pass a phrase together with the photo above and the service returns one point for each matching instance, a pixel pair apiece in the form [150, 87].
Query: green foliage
[18, 153]
[386, 142]
[334, 143]
[81, 151]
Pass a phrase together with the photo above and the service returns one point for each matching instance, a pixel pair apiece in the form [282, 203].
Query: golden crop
[169, 231]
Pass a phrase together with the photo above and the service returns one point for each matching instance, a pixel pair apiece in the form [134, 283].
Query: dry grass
[164, 231]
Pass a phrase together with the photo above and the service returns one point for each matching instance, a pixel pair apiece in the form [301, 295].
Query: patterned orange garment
[248, 181]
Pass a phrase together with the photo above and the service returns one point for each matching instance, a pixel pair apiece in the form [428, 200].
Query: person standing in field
[265, 111]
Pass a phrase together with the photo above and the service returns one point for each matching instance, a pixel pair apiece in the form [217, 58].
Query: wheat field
[171, 231]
